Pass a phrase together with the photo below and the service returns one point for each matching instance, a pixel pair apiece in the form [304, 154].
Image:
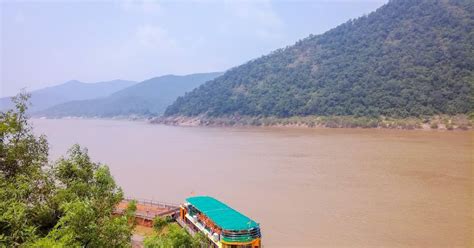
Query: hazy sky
[45, 43]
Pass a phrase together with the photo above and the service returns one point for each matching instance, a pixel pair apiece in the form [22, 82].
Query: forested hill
[147, 98]
[408, 58]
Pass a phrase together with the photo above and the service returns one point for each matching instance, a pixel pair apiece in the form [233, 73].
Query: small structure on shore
[147, 210]
[222, 225]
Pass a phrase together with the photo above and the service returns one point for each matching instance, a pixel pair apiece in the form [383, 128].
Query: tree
[24, 187]
[200, 241]
[174, 237]
[69, 204]
[87, 196]
[159, 223]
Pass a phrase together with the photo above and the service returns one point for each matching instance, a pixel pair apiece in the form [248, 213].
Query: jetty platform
[147, 210]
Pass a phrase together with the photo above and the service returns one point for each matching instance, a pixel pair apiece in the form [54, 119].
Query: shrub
[159, 223]
[175, 237]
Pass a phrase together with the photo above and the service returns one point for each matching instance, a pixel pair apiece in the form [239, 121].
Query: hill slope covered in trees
[150, 97]
[408, 58]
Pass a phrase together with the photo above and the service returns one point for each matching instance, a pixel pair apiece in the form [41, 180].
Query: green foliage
[130, 213]
[199, 240]
[69, 204]
[23, 185]
[178, 237]
[154, 241]
[408, 58]
[78, 177]
[175, 237]
[159, 223]
[22, 153]
[87, 195]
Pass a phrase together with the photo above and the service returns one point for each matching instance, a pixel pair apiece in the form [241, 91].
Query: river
[306, 187]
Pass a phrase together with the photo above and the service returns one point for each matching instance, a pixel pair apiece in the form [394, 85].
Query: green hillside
[408, 58]
[147, 98]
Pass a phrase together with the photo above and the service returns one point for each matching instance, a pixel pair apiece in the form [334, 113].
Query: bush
[175, 237]
[159, 223]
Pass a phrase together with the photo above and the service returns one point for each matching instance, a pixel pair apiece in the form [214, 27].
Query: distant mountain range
[408, 58]
[69, 91]
[147, 98]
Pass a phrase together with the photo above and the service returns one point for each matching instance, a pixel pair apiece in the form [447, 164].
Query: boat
[221, 224]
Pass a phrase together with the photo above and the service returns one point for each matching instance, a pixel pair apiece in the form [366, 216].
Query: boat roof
[222, 215]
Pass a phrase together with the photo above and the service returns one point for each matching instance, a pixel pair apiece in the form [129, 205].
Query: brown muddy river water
[306, 187]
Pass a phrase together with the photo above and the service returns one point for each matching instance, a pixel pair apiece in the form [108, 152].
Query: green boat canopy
[221, 214]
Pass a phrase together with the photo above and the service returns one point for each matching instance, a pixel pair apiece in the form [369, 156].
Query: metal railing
[168, 208]
[152, 202]
[185, 226]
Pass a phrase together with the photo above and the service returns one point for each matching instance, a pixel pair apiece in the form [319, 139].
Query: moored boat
[221, 224]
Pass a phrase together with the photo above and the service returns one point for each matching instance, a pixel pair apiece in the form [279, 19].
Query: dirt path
[137, 241]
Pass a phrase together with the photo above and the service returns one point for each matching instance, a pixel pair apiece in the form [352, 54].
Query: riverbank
[439, 122]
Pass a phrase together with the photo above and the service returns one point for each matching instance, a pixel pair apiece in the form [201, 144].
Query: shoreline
[434, 123]
[116, 118]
